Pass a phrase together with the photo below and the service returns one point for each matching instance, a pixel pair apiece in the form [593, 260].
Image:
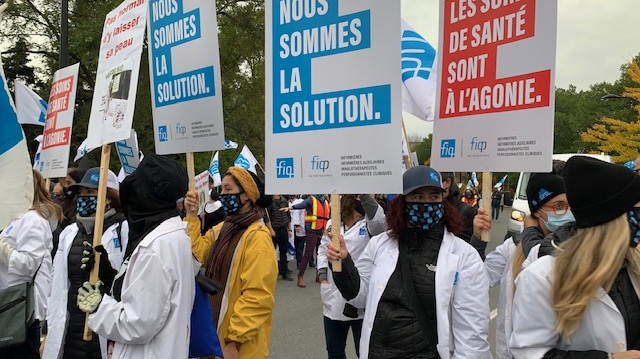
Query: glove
[88, 261]
[5, 251]
[89, 297]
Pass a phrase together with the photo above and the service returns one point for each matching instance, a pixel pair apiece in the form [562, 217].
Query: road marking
[493, 314]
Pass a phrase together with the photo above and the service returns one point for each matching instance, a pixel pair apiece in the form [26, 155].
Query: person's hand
[285, 209]
[89, 297]
[106, 272]
[324, 282]
[630, 354]
[5, 251]
[230, 351]
[334, 253]
[481, 222]
[530, 221]
[272, 231]
[191, 203]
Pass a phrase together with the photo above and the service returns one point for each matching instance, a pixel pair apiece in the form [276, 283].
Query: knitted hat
[246, 181]
[618, 189]
[542, 188]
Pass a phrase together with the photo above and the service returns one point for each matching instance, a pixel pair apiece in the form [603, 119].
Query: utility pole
[64, 34]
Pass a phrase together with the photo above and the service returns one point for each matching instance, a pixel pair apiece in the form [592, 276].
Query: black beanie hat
[542, 188]
[618, 189]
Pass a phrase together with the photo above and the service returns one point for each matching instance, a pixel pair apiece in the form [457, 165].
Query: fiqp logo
[448, 148]
[318, 164]
[478, 145]
[163, 134]
[284, 167]
[418, 56]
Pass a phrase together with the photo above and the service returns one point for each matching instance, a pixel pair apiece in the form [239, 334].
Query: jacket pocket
[327, 295]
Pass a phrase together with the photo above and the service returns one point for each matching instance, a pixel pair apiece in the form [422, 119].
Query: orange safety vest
[320, 214]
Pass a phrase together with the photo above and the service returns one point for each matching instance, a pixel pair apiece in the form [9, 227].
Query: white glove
[5, 251]
[89, 297]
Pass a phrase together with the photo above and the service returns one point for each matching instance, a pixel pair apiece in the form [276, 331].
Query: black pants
[28, 350]
[282, 241]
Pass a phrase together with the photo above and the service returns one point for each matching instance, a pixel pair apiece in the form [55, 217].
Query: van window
[524, 181]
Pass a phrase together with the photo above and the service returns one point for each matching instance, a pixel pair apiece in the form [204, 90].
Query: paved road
[298, 332]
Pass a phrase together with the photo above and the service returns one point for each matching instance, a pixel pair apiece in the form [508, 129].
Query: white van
[520, 207]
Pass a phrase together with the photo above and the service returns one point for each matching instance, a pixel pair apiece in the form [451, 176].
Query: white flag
[228, 144]
[82, 150]
[36, 159]
[246, 160]
[418, 74]
[501, 182]
[214, 171]
[31, 108]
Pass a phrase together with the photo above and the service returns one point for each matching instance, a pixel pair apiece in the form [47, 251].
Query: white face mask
[555, 221]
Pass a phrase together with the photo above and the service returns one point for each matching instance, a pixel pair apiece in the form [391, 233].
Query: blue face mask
[86, 205]
[634, 226]
[555, 221]
[424, 215]
[230, 203]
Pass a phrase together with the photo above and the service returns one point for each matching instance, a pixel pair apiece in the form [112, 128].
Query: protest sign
[117, 76]
[333, 96]
[56, 142]
[202, 187]
[496, 88]
[184, 63]
[128, 153]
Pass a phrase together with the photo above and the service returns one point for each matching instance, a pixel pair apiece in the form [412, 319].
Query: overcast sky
[595, 37]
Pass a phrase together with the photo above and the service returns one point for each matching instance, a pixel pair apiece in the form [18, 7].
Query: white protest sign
[184, 63]
[496, 88]
[202, 187]
[333, 96]
[128, 153]
[117, 76]
[56, 143]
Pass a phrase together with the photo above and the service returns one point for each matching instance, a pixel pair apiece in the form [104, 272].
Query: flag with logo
[36, 159]
[473, 180]
[246, 160]
[228, 144]
[31, 108]
[501, 182]
[83, 149]
[214, 171]
[418, 74]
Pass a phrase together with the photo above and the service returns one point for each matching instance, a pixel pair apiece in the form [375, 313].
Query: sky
[595, 37]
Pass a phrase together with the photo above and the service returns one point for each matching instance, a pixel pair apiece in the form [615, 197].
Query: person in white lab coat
[25, 248]
[361, 218]
[583, 302]
[147, 315]
[72, 263]
[425, 291]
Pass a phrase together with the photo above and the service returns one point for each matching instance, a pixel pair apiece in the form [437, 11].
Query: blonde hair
[42, 203]
[516, 264]
[590, 260]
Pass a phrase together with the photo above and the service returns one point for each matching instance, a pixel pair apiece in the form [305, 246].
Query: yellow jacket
[250, 291]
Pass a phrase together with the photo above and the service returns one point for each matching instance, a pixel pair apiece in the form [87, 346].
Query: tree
[616, 137]
[423, 150]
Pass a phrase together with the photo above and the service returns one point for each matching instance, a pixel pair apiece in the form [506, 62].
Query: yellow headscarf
[246, 181]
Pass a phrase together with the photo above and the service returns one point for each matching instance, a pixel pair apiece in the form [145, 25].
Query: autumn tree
[616, 137]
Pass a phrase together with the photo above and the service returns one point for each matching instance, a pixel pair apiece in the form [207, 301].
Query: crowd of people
[414, 279]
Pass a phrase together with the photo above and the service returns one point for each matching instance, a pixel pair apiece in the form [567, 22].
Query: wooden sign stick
[486, 201]
[99, 224]
[336, 264]
[191, 171]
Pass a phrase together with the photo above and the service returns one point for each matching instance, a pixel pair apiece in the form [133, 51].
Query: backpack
[204, 339]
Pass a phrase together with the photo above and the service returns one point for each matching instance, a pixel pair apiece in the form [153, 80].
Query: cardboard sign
[117, 76]
[333, 96]
[128, 153]
[56, 142]
[202, 187]
[184, 63]
[496, 88]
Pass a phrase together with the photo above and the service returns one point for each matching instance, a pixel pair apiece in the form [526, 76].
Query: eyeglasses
[559, 208]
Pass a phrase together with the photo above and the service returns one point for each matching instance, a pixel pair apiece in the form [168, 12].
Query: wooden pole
[99, 224]
[407, 157]
[191, 171]
[336, 224]
[486, 201]
[47, 184]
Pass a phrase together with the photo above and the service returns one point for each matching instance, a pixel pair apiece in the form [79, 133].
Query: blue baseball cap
[420, 176]
[91, 178]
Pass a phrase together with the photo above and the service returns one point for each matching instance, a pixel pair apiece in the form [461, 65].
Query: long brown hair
[42, 202]
[397, 222]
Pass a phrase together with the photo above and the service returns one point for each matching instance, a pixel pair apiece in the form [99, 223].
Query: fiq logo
[284, 167]
[318, 164]
[181, 130]
[477, 145]
[163, 134]
[448, 148]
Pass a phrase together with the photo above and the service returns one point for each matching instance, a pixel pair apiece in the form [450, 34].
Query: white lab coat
[30, 236]
[57, 316]
[152, 321]
[534, 319]
[498, 264]
[356, 238]
[462, 295]
[297, 218]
